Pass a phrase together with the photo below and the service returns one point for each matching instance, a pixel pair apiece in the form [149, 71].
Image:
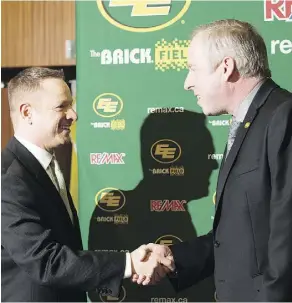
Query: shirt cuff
[128, 268]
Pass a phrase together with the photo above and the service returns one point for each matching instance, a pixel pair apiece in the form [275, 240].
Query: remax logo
[282, 46]
[278, 9]
[107, 105]
[142, 15]
[107, 158]
[165, 151]
[110, 199]
[167, 205]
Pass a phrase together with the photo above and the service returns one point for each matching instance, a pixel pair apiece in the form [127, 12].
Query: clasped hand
[151, 263]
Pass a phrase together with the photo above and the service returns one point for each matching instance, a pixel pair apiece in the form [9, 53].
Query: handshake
[150, 263]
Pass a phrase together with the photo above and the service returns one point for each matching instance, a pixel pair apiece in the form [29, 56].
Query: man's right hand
[157, 262]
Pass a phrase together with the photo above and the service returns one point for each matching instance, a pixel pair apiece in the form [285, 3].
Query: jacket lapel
[75, 220]
[227, 165]
[37, 171]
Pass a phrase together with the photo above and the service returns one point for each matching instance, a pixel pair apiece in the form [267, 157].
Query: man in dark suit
[249, 250]
[42, 257]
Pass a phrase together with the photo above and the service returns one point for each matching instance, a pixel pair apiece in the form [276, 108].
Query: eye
[64, 106]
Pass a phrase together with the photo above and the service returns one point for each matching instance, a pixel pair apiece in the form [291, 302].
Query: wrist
[132, 265]
[128, 267]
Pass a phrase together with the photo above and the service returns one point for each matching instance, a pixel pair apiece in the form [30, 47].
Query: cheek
[55, 124]
[206, 83]
[213, 86]
[58, 122]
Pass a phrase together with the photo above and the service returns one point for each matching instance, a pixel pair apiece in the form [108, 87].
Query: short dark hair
[29, 80]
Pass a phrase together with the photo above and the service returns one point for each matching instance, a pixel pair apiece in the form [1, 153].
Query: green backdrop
[148, 159]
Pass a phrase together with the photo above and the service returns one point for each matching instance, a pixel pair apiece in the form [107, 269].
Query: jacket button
[216, 244]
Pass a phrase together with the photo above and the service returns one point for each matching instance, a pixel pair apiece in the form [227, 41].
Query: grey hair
[239, 40]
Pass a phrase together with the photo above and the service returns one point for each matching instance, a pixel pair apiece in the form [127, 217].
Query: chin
[210, 112]
[67, 140]
[207, 112]
[64, 140]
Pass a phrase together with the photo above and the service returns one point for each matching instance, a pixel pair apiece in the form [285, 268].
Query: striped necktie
[60, 184]
[232, 134]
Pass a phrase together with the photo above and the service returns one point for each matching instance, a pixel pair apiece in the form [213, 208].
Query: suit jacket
[250, 248]
[42, 257]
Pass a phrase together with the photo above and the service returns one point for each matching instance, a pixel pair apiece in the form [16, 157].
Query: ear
[26, 112]
[229, 68]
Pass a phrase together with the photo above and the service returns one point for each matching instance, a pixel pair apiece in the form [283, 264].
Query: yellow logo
[110, 199]
[247, 125]
[141, 8]
[168, 240]
[171, 54]
[166, 13]
[165, 151]
[107, 105]
[118, 124]
[214, 198]
[120, 298]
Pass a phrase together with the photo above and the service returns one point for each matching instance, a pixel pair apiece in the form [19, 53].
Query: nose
[71, 115]
[188, 82]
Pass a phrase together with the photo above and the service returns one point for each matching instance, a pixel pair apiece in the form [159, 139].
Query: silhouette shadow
[176, 170]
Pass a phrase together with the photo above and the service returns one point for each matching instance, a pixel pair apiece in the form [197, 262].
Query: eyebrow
[66, 101]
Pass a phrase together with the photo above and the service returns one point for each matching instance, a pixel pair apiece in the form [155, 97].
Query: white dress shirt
[43, 156]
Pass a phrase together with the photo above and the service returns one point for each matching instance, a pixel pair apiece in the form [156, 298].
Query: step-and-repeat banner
[147, 158]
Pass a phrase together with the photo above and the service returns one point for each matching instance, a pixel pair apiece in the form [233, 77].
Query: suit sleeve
[194, 261]
[32, 246]
[278, 275]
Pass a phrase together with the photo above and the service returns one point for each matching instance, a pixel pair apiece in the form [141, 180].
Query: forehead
[196, 53]
[56, 88]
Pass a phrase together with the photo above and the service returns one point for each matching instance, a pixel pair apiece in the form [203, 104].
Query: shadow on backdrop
[176, 170]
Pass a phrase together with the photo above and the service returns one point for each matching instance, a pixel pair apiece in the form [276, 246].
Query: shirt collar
[43, 156]
[245, 104]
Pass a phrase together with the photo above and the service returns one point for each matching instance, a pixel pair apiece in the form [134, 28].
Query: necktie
[60, 184]
[232, 134]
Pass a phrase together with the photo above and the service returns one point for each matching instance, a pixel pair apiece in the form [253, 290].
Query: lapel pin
[247, 125]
